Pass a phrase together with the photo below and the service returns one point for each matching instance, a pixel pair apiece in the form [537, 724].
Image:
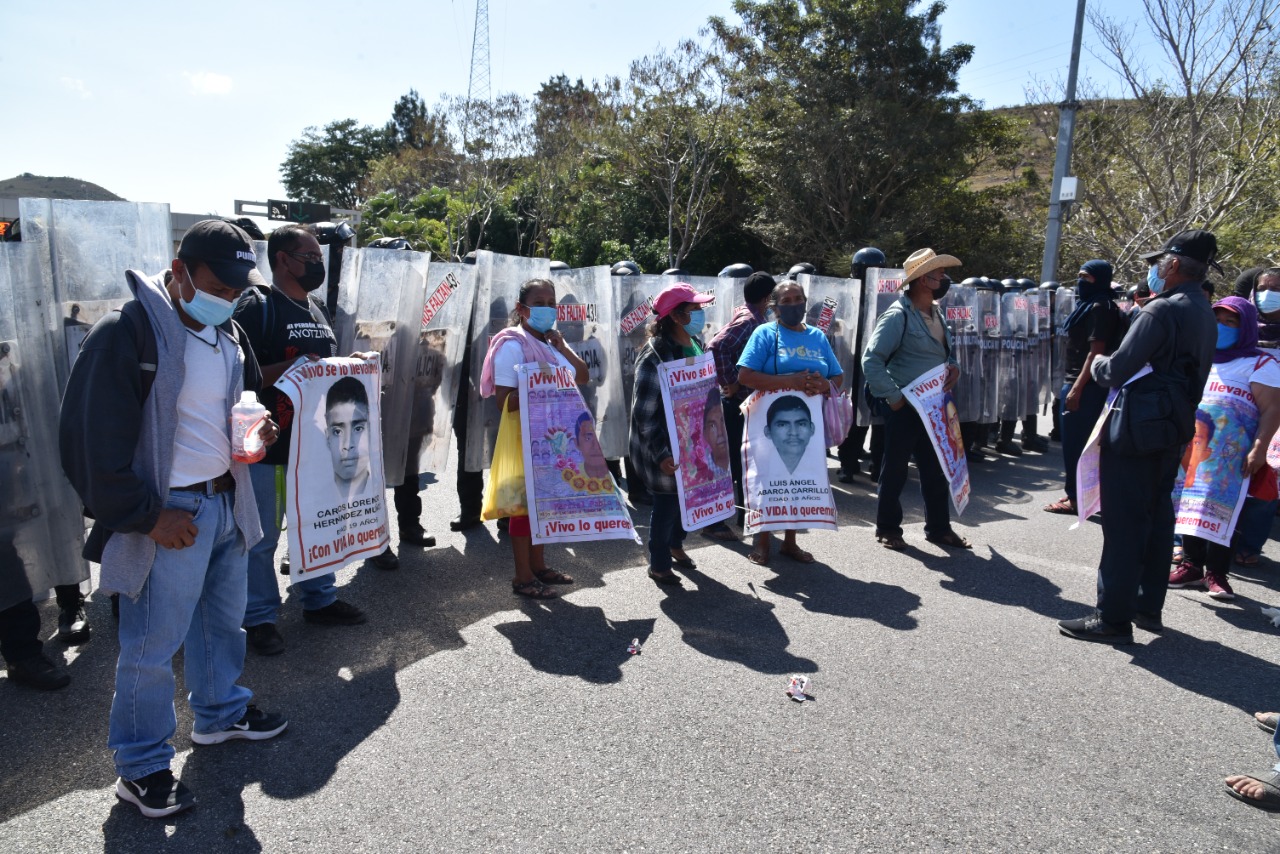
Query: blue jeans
[264, 590]
[193, 598]
[666, 531]
[1254, 525]
[1075, 428]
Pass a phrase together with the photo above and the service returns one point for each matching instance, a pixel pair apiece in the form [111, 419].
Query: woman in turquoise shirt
[787, 355]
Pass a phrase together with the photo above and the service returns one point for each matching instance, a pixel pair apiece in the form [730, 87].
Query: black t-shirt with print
[281, 330]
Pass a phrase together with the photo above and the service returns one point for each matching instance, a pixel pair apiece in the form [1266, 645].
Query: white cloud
[208, 83]
[76, 85]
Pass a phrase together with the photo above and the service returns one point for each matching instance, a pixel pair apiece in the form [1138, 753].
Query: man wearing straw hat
[909, 340]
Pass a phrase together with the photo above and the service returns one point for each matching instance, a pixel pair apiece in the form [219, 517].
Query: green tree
[329, 165]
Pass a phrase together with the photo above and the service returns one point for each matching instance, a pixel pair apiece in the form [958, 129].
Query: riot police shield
[41, 529]
[633, 300]
[1064, 302]
[832, 306]
[584, 316]
[882, 288]
[442, 334]
[987, 306]
[960, 313]
[1045, 390]
[728, 294]
[498, 281]
[386, 288]
[1013, 356]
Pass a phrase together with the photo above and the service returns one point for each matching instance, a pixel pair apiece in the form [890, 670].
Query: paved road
[949, 713]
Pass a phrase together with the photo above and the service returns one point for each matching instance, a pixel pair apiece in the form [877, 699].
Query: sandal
[1063, 505]
[685, 562]
[893, 543]
[1246, 559]
[667, 577]
[797, 554]
[951, 538]
[1270, 800]
[534, 590]
[1267, 721]
[551, 576]
[759, 558]
[720, 532]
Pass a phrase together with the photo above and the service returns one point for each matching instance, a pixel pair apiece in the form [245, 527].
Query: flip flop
[551, 576]
[1246, 559]
[534, 590]
[758, 559]
[684, 562]
[667, 577]
[797, 554]
[1270, 800]
[1063, 506]
[721, 533]
[895, 543]
[1267, 722]
[951, 538]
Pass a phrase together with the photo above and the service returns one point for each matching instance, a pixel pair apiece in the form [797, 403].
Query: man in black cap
[1175, 334]
[145, 438]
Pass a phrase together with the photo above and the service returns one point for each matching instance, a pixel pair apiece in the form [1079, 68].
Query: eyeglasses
[309, 257]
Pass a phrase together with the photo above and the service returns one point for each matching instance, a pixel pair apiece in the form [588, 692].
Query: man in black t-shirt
[285, 323]
[1093, 329]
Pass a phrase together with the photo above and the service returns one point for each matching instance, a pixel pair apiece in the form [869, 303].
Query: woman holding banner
[679, 317]
[1238, 415]
[787, 354]
[530, 338]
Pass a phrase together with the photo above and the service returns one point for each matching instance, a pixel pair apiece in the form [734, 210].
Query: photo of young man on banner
[938, 412]
[336, 509]
[572, 497]
[695, 422]
[784, 470]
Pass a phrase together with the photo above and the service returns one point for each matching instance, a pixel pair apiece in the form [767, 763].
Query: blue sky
[195, 104]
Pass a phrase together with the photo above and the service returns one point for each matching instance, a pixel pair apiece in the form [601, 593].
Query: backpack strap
[145, 339]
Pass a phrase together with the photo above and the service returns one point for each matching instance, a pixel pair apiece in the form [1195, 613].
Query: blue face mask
[1267, 301]
[542, 318]
[697, 320]
[1227, 336]
[1153, 279]
[205, 308]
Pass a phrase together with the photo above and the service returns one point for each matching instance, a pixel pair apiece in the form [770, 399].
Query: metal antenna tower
[478, 84]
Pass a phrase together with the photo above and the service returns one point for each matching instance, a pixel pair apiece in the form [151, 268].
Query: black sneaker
[1148, 622]
[1008, 448]
[386, 560]
[336, 613]
[156, 795]
[465, 523]
[1094, 629]
[256, 725]
[73, 625]
[265, 639]
[39, 672]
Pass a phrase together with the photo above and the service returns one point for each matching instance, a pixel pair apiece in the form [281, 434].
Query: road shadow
[1210, 669]
[822, 590]
[998, 580]
[566, 639]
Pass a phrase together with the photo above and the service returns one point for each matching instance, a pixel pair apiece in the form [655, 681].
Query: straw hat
[926, 261]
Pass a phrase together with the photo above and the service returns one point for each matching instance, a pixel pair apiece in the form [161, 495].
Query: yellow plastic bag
[504, 494]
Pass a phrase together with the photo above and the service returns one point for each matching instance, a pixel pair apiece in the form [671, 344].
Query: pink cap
[673, 297]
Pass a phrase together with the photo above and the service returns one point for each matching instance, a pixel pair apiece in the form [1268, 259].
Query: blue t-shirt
[775, 349]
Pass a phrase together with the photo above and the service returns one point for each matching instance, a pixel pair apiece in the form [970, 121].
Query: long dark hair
[524, 293]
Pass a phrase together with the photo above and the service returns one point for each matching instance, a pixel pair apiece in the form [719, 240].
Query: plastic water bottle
[246, 417]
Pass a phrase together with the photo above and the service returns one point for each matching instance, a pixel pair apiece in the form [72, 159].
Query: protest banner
[336, 504]
[1089, 468]
[937, 409]
[784, 472]
[699, 439]
[572, 497]
[1213, 483]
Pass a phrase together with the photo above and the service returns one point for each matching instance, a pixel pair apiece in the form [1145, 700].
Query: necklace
[305, 305]
[213, 344]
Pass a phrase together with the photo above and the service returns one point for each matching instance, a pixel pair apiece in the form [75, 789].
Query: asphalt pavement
[947, 712]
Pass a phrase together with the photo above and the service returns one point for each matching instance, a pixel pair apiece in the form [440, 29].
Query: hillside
[42, 187]
[1037, 152]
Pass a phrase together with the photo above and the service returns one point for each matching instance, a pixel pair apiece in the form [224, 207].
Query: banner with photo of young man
[784, 464]
[336, 491]
[937, 409]
[695, 423]
[1212, 480]
[572, 496]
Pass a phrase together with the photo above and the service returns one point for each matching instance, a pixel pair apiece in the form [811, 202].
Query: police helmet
[800, 269]
[625, 268]
[735, 271]
[868, 256]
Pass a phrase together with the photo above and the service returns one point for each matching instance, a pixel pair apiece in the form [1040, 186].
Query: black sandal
[551, 576]
[534, 590]
[951, 538]
[667, 577]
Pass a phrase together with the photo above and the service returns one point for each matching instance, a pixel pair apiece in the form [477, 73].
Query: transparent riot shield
[584, 316]
[41, 529]
[498, 281]
[442, 340]
[1032, 377]
[960, 313]
[387, 287]
[987, 306]
[633, 300]
[832, 306]
[728, 294]
[881, 290]
[1064, 302]
[89, 245]
[1013, 355]
[1044, 343]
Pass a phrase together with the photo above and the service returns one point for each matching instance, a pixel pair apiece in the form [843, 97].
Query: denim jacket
[902, 348]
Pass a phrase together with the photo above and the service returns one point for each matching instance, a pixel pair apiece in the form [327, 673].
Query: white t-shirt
[508, 356]
[1246, 370]
[202, 445]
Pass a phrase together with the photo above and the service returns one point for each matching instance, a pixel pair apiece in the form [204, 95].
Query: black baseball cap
[226, 249]
[1197, 244]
